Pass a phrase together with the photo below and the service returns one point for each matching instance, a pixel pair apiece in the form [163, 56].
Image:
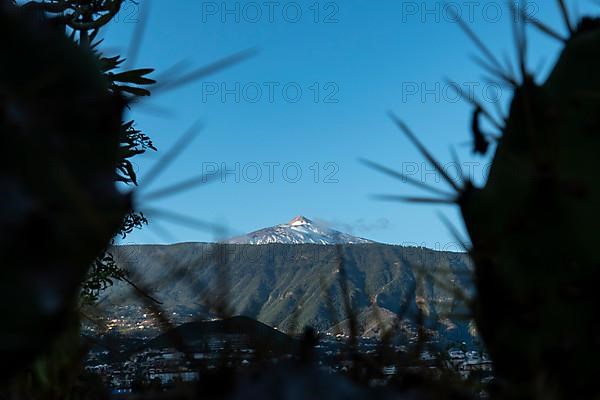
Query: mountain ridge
[294, 285]
[299, 230]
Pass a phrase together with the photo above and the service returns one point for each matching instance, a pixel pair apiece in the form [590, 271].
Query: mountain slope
[298, 230]
[289, 286]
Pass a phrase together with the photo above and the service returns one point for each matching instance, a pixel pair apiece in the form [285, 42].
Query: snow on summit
[297, 231]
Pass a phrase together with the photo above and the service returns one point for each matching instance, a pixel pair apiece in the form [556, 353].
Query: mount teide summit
[299, 230]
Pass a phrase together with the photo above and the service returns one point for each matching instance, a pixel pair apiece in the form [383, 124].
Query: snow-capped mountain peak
[299, 220]
[297, 231]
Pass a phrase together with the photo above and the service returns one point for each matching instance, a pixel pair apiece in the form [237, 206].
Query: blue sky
[312, 101]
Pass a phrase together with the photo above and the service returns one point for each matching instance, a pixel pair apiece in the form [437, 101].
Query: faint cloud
[360, 225]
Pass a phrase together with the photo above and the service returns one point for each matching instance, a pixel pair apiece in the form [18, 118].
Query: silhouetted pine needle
[467, 143]
[169, 329]
[143, 293]
[453, 231]
[403, 177]
[170, 155]
[112, 50]
[347, 298]
[182, 219]
[565, 15]
[223, 308]
[504, 78]
[536, 23]
[455, 291]
[376, 312]
[174, 70]
[540, 66]
[483, 48]
[404, 305]
[576, 12]
[97, 322]
[546, 29]
[410, 199]
[421, 336]
[488, 78]
[500, 113]
[140, 291]
[137, 38]
[155, 110]
[179, 187]
[423, 150]
[385, 332]
[325, 288]
[296, 314]
[508, 64]
[520, 39]
[162, 232]
[476, 103]
[204, 71]
[459, 170]
[215, 301]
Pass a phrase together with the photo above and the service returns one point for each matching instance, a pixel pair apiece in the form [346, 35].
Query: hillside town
[141, 368]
